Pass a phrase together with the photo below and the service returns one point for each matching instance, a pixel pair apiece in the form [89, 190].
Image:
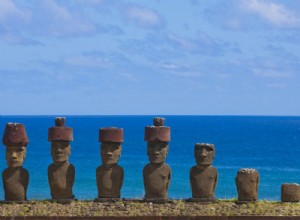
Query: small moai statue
[290, 192]
[247, 185]
[61, 173]
[15, 177]
[110, 175]
[203, 176]
[157, 174]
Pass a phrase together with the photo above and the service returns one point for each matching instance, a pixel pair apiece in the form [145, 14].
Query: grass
[226, 207]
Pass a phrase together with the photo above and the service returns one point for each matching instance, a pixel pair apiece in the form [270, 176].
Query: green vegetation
[140, 208]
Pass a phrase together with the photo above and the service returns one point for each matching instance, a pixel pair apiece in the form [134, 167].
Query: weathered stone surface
[290, 192]
[110, 175]
[60, 132]
[15, 177]
[157, 174]
[61, 174]
[203, 176]
[111, 134]
[15, 135]
[247, 184]
[158, 132]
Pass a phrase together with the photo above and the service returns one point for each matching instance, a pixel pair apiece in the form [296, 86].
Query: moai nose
[14, 155]
[203, 152]
[156, 150]
[109, 153]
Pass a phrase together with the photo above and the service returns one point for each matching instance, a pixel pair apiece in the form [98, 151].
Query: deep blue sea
[269, 144]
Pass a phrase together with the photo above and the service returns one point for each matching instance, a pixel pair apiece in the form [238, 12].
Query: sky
[150, 57]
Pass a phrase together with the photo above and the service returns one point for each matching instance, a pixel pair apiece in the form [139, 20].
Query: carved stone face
[110, 152]
[204, 154]
[60, 151]
[15, 156]
[157, 151]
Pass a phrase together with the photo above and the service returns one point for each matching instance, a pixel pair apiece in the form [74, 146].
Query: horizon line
[153, 115]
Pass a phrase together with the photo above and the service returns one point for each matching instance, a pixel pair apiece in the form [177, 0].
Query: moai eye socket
[19, 150]
[209, 149]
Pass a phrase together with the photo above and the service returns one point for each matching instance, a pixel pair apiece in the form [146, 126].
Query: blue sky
[107, 57]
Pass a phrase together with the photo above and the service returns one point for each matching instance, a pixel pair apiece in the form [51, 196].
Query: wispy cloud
[270, 73]
[276, 85]
[251, 14]
[143, 17]
[88, 61]
[58, 20]
[274, 13]
[20, 22]
[9, 10]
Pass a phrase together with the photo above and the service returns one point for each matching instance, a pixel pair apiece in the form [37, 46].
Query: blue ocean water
[269, 144]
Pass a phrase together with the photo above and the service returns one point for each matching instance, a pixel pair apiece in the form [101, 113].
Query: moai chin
[15, 177]
[61, 173]
[203, 176]
[247, 185]
[110, 175]
[157, 173]
[290, 192]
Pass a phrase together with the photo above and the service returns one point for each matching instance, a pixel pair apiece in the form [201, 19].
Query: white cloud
[9, 11]
[59, 20]
[270, 73]
[277, 85]
[88, 61]
[276, 14]
[183, 42]
[40, 18]
[91, 2]
[143, 17]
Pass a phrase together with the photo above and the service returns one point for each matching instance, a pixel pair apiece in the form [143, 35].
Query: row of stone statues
[156, 174]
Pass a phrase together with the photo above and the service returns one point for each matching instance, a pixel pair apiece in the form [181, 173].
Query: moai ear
[237, 184]
[70, 151]
[167, 151]
[120, 146]
[257, 181]
[24, 156]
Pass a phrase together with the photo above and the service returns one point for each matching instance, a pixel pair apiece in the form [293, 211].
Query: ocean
[269, 144]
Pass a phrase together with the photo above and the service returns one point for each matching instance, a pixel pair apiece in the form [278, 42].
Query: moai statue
[290, 192]
[203, 176]
[110, 175]
[61, 173]
[157, 173]
[15, 177]
[247, 185]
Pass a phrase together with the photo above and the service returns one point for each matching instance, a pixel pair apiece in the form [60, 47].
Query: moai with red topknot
[110, 175]
[203, 176]
[61, 173]
[157, 174]
[15, 177]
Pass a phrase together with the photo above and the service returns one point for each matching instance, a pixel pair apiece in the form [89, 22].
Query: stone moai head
[290, 192]
[157, 137]
[110, 148]
[247, 184]
[60, 137]
[15, 139]
[204, 154]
